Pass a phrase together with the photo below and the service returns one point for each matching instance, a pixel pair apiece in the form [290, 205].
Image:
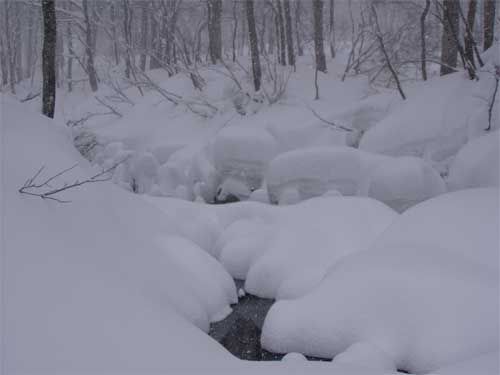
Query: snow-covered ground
[384, 257]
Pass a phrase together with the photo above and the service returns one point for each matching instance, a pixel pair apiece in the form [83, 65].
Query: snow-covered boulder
[312, 172]
[424, 296]
[477, 164]
[405, 181]
[243, 154]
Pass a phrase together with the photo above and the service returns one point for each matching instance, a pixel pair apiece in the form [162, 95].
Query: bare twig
[30, 187]
[331, 123]
[492, 102]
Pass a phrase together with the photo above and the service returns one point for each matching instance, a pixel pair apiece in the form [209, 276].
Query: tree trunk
[89, 42]
[235, 27]
[49, 58]
[298, 12]
[289, 34]
[254, 48]
[318, 35]
[214, 30]
[10, 53]
[449, 46]
[282, 35]
[69, 40]
[112, 16]
[18, 43]
[3, 62]
[29, 42]
[331, 28]
[489, 23]
[144, 35]
[127, 24]
[469, 37]
[423, 52]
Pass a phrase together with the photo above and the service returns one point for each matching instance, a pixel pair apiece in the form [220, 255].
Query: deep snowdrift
[424, 296]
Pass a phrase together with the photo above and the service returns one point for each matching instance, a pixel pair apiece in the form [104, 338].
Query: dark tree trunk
[89, 42]
[29, 42]
[49, 57]
[289, 34]
[10, 52]
[449, 45]
[318, 35]
[69, 40]
[423, 52]
[235, 27]
[331, 27]
[127, 32]
[298, 12]
[214, 30]
[469, 37]
[254, 48]
[155, 55]
[489, 23]
[281, 25]
[144, 35]
[19, 43]
[3, 63]
[112, 16]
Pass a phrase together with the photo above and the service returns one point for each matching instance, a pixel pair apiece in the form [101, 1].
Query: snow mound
[84, 278]
[310, 237]
[422, 303]
[476, 164]
[399, 182]
[243, 154]
[405, 181]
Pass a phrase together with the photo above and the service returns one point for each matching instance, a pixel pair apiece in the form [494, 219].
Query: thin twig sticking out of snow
[339, 127]
[30, 185]
[492, 102]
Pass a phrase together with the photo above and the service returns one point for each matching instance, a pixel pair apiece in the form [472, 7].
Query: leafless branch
[331, 123]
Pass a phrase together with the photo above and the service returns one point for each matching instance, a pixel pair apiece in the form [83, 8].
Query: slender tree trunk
[154, 62]
[469, 37]
[298, 12]
[29, 42]
[489, 23]
[144, 35]
[112, 16]
[214, 30]
[3, 61]
[318, 35]
[289, 33]
[88, 47]
[331, 28]
[423, 52]
[235, 27]
[281, 25]
[449, 45]
[18, 51]
[271, 38]
[59, 60]
[10, 52]
[254, 47]
[279, 47]
[127, 24]
[69, 40]
[49, 58]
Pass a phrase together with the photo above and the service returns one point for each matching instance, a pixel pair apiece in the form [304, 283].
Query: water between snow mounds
[240, 331]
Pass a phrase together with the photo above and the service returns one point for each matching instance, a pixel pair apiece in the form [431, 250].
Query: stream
[240, 331]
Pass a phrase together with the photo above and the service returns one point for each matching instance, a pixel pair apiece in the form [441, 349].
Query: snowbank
[88, 287]
[477, 164]
[419, 304]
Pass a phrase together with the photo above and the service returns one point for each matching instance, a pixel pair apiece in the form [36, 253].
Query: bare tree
[89, 51]
[469, 37]
[289, 34]
[489, 23]
[144, 34]
[318, 35]
[49, 57]
[214, 8]
[235, 28]
[281, 32]
[423, 52]
[298, 12]
[449, 45]
[254, 47]
[331, 28]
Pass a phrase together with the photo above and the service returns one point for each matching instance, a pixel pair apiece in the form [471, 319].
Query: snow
[476, 164]
[399, 182]
[87, 286]
[417, 296]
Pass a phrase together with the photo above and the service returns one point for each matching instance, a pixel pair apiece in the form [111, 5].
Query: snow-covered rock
[420, 295]
[403, 182]
[477, 164]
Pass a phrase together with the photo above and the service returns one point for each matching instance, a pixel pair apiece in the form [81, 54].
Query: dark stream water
[240, 332]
